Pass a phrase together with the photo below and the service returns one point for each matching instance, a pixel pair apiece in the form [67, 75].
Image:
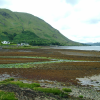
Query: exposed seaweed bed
[65, 72]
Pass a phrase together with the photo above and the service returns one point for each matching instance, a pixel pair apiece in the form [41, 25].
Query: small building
[5, 42]
[24, 44]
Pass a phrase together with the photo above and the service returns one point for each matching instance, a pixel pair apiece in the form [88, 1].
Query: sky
[78, 20]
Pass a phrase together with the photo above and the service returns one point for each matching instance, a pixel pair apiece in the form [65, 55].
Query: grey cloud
[93, 21]
[72, 2]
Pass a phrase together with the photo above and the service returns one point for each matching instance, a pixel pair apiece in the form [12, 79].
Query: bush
[80, 96]
[66, 89]
[55, 91]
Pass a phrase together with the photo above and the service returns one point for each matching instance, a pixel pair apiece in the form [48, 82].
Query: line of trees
[42, 42]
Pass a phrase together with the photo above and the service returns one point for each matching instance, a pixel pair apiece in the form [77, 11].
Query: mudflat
[58, 74]
[61, 72]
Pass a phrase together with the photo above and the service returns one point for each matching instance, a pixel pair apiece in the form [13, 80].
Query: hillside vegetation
[23, 27]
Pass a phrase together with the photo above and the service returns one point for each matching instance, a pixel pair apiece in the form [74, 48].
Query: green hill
[23, 27]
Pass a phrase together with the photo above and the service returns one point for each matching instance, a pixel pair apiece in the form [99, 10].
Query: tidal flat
[81, 64]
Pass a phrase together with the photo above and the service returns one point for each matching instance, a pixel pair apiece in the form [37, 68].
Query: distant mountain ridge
[94, 44]
[23, 27]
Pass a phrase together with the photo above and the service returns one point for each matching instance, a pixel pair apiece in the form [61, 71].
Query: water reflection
[92, 81]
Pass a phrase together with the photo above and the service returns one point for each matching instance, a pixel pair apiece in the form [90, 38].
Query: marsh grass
[7, 95]
[6, 81]
[25, 85]
[10, 79]
[19, 83]
[80, 96]
[49, 90]
[66, 90]
[34, 86]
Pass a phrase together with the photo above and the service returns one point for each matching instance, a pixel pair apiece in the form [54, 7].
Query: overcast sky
[78, 20]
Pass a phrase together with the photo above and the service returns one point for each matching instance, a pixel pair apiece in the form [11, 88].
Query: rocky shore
[28, 94]
[88, 92]
[61, 72]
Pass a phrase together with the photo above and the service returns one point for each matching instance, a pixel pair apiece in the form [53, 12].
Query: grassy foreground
[7, 95]
[4, 95]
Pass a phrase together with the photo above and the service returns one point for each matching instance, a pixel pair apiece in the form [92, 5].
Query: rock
[97, 82]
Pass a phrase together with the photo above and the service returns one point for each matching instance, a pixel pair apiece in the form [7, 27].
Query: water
[91, 81]
[94, 48]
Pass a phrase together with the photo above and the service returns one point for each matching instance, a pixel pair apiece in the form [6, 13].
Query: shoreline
[61, 72]
[88, 92]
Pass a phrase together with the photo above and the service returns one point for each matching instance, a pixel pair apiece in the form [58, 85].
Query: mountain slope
[94, 44]
[23, 27]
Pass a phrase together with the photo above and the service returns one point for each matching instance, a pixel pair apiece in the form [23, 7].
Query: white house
[5, 42]
[24, 44]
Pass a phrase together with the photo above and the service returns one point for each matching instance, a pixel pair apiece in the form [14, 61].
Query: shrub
[49, 90]
[66, 89]
[80, 96]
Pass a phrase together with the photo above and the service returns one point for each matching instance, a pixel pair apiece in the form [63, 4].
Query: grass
[66, 90]
[80, 96]
[49, 90]
[6, 81]
[7, 95]
[10, 79]
[20, 84]
[25, 85]
[22, 47]
[64, 94]
[34, 86]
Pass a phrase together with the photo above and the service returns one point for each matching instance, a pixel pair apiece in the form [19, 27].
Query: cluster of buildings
[5, 42]
[21, 44]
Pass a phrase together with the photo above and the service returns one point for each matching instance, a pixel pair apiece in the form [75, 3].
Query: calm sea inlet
[94, 48]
